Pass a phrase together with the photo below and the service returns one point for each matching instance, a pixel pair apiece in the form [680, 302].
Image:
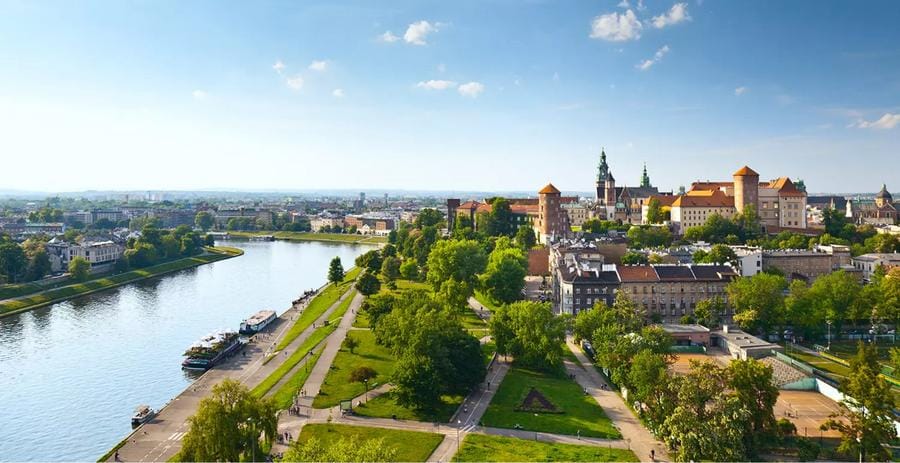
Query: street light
[458, 425]
[829, 334]
[366, 382]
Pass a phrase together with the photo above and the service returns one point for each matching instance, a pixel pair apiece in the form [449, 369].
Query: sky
[488, 95]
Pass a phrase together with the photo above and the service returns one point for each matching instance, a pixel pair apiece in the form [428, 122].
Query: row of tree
[26, 262]
[156, 245]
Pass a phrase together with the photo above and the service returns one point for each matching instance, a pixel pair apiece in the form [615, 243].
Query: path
[639, 439]
[160, 438]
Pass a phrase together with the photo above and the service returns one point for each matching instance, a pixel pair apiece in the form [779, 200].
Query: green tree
[204, 220]
[368, 284]
[335, 271]
[758, 301]
[170, 246]
[377, 306]
[79, 268]
[12, 261]
[648, 379]
[428, 217]
[710, 311]
[351, 343]
[836, 295]
[457, 260]
[141, 255]
[390, 268]
[721, 254]
[802, 311]
[635, 258]
[654, 212]
[504, 277]
[866, 419]
[649, 236]
[345, 449]
[530, 332]
[409, 270]
[752, 385]
[389, 250]
[370, 260]
[586, 322]
[525, 237]
[228, 425]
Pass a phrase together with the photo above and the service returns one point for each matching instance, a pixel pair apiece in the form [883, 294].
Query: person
[116, 457]
[652, 455]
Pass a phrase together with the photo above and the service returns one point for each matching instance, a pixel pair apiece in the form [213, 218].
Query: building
[577, 213]
[25, 229]
[258, 214]
[98, 252]
[867, 263]
[780, 203]
[807, 265]
[370, 224]
[621, 203]
[551, 223]
[687, 335]
[880, 210]
[326, 219]
[742, 345]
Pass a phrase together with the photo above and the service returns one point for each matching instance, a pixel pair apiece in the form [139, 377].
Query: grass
[471, 321]
[486, 301]
[102, 283]
[309, 236]
[362, 320]
[580, 413]
[488, 348]
[318, 306]
[480, 447]
[308, 345]
[410, 445]
[835, 370]
[284, 396]
[337, 385]
[386, 406]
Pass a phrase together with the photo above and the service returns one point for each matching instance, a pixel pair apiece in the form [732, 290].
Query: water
[71, 374]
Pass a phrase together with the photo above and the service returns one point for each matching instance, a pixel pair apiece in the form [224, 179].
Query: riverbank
[102, 283]
[309, 236]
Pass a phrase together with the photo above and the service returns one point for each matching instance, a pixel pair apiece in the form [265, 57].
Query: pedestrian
[116, 457]
[652, 455]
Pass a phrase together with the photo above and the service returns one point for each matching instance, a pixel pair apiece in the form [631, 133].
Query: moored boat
[212, 349]
[142, 414]
[259, 321]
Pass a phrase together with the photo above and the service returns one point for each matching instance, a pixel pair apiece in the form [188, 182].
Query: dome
[884, 193]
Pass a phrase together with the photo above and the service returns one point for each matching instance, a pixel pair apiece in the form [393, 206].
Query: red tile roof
[746, 172]
[633, 273]
[549, 189]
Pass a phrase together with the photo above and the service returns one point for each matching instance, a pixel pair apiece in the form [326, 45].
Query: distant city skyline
[464, 96]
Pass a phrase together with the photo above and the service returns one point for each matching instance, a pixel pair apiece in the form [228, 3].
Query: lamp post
[366, 382]
[458, 425]
[253, 443]
[829, 334]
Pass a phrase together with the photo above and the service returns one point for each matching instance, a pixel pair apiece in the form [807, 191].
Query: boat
[142, 414]
[212, 349]
[259, 321]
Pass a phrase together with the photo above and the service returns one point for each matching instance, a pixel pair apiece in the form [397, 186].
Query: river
[71, 374]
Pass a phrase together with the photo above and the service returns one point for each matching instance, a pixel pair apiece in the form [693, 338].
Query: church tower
[606, 184]
[645, 179]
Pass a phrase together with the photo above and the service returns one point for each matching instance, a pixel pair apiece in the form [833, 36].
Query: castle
[622, 203]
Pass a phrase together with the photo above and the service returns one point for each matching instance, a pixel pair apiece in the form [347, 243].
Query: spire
[602, 168]
[645, 179]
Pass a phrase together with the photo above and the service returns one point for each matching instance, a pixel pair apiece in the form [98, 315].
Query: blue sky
[480, 95]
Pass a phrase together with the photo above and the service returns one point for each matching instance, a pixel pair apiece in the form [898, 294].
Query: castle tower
[550, 220]
[603, 175]
[883, 197]
[746, 188]
[645, 179]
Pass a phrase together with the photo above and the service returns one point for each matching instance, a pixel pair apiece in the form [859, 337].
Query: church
[621, 203]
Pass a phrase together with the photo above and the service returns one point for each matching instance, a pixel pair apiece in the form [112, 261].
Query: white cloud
[740, 90]
[888, 121]
[436, 84]
[295, 83]
[640, 5]
[616, 27]
[648, 63]
[199, 94]
[417, 32]
[678, 13]
[471, 89]
[278, 66]
[338, 93]
[624, 4]
[388, 37]
[319, 66]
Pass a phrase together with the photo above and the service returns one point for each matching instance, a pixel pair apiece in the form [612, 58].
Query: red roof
[629, 273]
[548, 190]
[746, 172]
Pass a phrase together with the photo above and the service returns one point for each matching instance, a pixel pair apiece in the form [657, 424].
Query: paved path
[160, 438]
[639, 439]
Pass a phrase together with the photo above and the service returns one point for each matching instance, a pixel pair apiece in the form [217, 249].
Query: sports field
[807, 410]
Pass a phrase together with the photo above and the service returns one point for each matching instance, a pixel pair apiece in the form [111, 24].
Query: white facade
[867, 263]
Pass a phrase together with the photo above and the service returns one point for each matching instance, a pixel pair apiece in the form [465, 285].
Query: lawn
[471, 321]
[577, 412]
[480, 447]
[488, 348]
[342, 308]
[305, 348]
[318, 306]
[284, 396]
[486, 301]
[107, 282]
[386, 406]
[410, 445]
[337, 385]
[835, 370]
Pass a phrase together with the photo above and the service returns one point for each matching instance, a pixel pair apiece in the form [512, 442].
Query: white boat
[259, 321]
[142, 414]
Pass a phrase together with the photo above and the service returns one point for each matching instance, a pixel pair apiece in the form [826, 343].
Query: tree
[370, 260]
[758, 301]
[12, 261]
[204, 220]
[635, 258]
[654, 212]
[836, 296]
[390, 268]
[351, 343]
[751, 383]
[865, 419]
[409, 270]
[368, 284]
[335, 271]
[802, 311]
[648, 379]
[649, 237]
[504, 277]
[720, 254]
[170, 245]
[709, 311]
[586, 322]
[530, 332]
[376, 306]
[525, 237]
[79, 268]
[141, 255]
[457, 260]
[363, 373]
[428, 217]
[38, 266]
[389, 250]
[345, 449]
[228, 425]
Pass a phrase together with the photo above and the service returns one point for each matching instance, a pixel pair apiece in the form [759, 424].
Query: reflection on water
[71, 374]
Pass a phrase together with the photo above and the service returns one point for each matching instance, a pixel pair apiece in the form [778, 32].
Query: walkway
[160, 439]
[639, 439]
